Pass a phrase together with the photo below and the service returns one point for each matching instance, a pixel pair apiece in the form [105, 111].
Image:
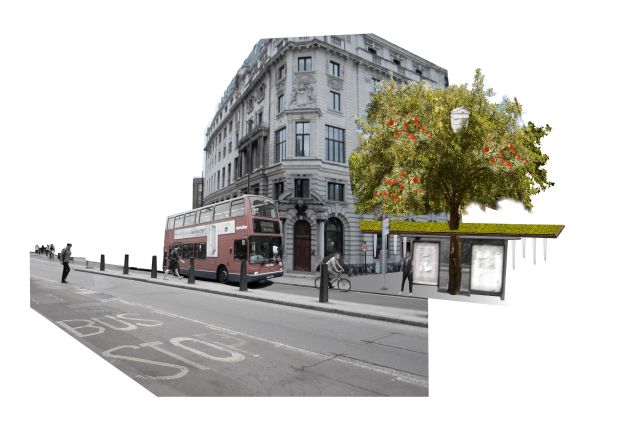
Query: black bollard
[126, 265]
[191, 271]
[154, 267]
[323, 296]
[102, 264]
[243, 277]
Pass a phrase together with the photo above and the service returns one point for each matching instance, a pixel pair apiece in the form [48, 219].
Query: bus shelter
[484, 251]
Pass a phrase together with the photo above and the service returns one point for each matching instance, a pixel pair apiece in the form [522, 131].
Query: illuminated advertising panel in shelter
[487, 268]
[426, 263]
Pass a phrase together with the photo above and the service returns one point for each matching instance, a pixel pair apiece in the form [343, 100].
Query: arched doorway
[334, 236]
[302, 246]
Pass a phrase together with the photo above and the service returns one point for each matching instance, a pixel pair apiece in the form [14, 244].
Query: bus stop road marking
[402, 376]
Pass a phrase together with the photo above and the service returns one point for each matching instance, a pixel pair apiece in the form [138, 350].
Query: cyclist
[334, 268]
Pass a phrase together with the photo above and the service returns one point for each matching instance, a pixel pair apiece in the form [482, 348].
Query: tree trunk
[454, 270]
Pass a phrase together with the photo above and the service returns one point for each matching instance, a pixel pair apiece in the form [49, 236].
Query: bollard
[323, 296]
[154, 267]
[243, 277]
[126, 265]
[102, 264]
[191, 271]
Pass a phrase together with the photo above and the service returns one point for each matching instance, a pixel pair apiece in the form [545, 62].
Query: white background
[103, 112]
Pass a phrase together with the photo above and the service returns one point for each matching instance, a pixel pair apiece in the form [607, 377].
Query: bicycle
[339, 280]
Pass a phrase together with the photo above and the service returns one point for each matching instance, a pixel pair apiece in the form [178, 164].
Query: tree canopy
[411, 161]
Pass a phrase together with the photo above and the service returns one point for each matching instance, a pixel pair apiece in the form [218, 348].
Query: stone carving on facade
[334, 82]
[261, 93]
[302, 95]
[302, 90]
[280, 86]
[300, 209]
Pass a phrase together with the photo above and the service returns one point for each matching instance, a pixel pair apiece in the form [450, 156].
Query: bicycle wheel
[317, 282]
[344, 285]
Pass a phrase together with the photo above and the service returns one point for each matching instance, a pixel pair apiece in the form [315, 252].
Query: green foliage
[407, 135]
[403, 227]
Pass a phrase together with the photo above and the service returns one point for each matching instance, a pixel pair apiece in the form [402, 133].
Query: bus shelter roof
[465, 229]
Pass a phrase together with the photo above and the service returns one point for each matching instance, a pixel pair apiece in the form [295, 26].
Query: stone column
[321, 238]
[283, 219]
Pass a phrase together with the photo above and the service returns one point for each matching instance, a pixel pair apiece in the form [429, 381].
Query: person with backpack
[65, 259]
[173, 263]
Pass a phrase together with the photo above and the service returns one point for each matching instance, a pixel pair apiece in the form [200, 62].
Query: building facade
[198, 192]
[285, 128]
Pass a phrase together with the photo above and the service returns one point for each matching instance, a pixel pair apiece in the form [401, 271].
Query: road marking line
[45, 279]
[398, 375]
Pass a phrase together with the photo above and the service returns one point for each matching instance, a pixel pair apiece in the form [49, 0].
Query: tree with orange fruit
[410, 161]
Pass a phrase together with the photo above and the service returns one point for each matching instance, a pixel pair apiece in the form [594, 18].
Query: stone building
[198, 192]
[285, 128]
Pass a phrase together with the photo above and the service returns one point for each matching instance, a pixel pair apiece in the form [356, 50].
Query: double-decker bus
[221, 235]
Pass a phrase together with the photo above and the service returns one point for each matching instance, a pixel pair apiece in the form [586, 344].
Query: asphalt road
[184, 342]
[377, 298]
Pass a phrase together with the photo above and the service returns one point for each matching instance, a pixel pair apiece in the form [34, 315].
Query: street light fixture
[459, 118]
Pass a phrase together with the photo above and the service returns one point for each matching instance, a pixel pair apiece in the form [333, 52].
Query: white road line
[398, 375]
[45, 279]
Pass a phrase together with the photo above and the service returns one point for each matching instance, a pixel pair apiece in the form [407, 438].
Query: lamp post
[248, 168]
[459, 118]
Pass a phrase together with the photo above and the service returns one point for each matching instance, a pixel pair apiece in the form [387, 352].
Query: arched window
[334, 236]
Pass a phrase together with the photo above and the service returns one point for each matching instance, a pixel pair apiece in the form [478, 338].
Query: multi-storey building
[285, 128]
[198, 192]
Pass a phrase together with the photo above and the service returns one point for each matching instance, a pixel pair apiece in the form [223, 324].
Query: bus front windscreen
[265, 249]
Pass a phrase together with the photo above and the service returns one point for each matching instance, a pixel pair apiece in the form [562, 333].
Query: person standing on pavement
[65, 259]
[174, 263]
[407, 273]
[51, 253]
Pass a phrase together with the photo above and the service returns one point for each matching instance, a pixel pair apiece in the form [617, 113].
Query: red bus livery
[221, 235]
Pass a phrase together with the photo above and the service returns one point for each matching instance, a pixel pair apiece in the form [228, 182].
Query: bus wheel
[222, 275]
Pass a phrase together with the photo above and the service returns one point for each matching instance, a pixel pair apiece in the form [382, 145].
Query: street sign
[363, 247]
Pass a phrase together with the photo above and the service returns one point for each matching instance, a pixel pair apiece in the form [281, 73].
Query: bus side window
[240, 249]
[200, 251]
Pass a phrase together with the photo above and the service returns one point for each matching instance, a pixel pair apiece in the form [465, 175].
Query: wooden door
[302, 246]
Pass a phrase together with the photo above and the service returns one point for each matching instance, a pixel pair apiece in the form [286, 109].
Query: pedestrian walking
[36, 249]
[174, 263]
[51, 252]
[65, 259]
[407, 273]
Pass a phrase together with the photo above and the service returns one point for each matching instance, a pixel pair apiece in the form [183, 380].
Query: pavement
[365, 284]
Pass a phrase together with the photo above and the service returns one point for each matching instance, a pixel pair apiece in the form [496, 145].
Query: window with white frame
[302, 139]
[281, 104]
[334, 101]
[333, 69]
[304, 64]
[281, 137]
[335, 142]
